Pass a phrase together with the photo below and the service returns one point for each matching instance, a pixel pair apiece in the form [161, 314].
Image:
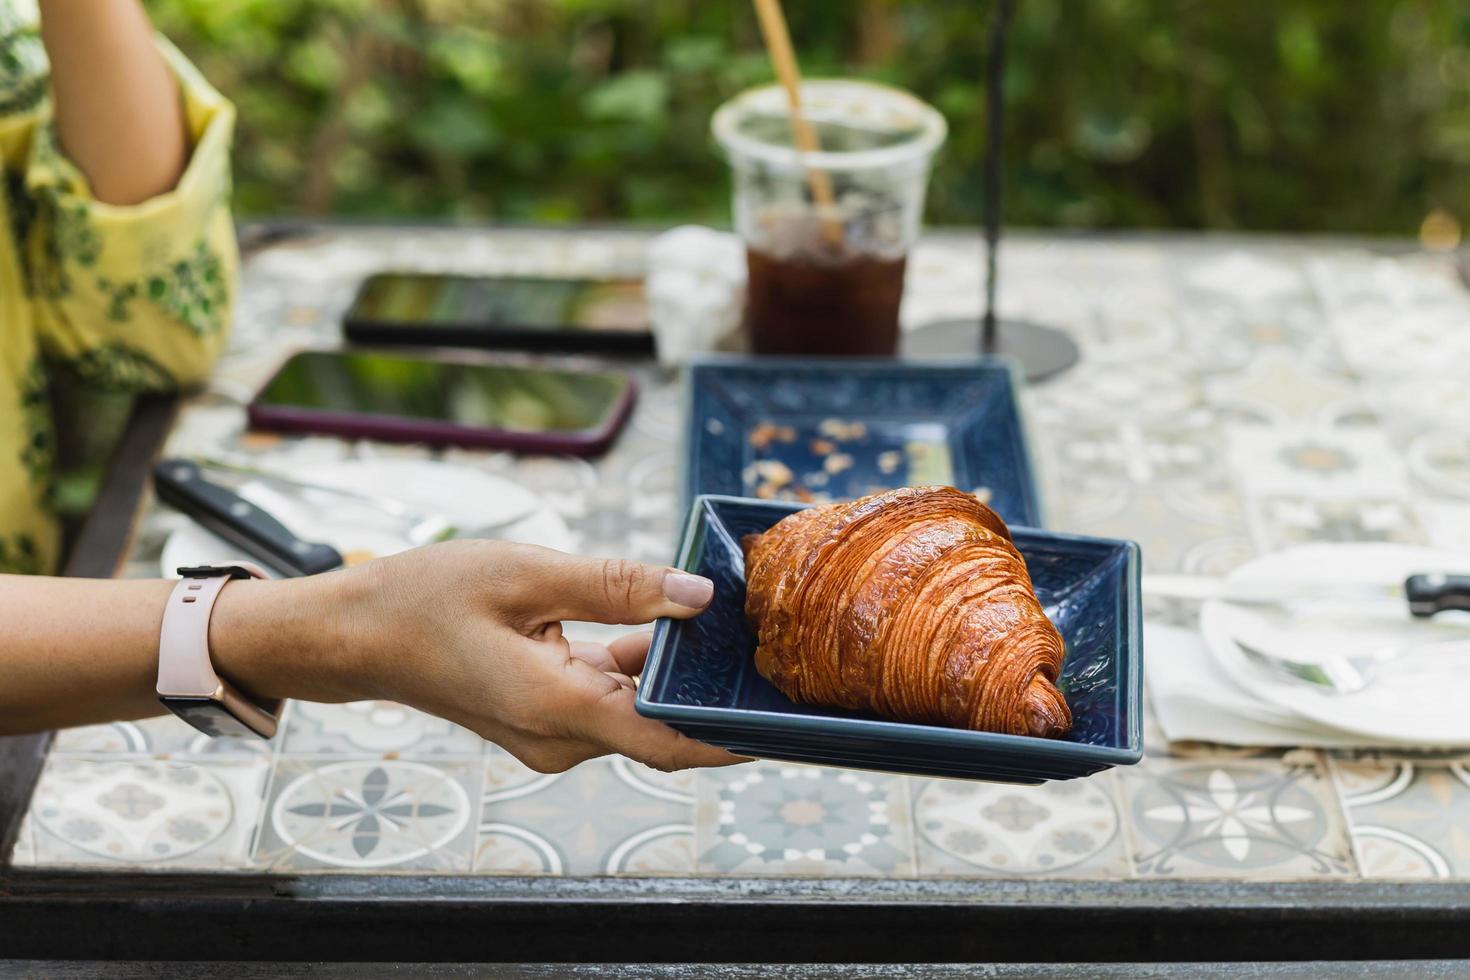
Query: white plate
[467, 497]
[1417, 701]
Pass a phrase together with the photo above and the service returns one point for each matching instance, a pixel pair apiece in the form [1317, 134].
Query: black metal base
[1040, 351]
[391, 918]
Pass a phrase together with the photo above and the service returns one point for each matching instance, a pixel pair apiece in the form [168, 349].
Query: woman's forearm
[84, 651]
[117, 106]
[468, 630]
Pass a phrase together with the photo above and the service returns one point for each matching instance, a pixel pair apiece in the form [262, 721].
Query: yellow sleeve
[139, 297]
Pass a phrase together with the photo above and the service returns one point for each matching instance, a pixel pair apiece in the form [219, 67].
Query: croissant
[912, 604]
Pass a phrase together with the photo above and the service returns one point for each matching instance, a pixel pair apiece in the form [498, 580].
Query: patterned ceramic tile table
[1234, 397]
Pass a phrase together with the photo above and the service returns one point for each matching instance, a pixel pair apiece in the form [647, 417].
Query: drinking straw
[783, 60]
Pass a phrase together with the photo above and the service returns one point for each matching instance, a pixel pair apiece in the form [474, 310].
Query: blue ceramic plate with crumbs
[821, 430]
[701, 676]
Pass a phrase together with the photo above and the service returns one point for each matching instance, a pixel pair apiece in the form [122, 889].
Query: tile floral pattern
[1277, 388]
[606, 816]
[1141, 453]
[1309, 461]
[1409, 820]
[1072, 828]
[368, 814]
[164, 736]
[1283, 521]
[1232, 399]
[775, 818]
[1168, 523]
[367, 727]
[1236, 818]
[128, 812]
[1440, 462]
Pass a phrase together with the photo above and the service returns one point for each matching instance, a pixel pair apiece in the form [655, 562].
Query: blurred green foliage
[1291, 115]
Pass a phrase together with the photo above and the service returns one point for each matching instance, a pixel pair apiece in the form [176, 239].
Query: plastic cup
[806, 292]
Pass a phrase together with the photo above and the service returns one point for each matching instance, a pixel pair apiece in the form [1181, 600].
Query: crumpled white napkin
[695, 286]
[1196, 701]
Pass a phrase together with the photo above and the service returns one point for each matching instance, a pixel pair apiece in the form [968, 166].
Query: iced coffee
[827, 279]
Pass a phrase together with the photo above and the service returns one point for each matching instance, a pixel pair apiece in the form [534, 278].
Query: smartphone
[587, 315]
[403, 398]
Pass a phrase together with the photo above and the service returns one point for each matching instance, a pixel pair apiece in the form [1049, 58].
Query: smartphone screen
[407, 299]
[519, 399]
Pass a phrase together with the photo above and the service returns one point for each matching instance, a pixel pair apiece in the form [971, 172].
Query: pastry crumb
[837, 462]
[763, 435]
[773, 471]
[842, 431]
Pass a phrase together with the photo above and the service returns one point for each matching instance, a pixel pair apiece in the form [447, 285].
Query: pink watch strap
[186, 675]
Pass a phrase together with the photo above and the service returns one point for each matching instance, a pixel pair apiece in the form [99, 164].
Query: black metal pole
[1040, 350]
[994, 141]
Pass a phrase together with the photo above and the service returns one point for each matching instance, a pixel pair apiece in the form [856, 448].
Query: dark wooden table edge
[393, 918]
[98, 550]
[52, 970]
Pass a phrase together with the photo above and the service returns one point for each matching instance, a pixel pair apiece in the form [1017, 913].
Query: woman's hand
[471, 631]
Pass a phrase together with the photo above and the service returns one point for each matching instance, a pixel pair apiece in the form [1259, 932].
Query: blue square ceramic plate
[820, 430]
[701, 676]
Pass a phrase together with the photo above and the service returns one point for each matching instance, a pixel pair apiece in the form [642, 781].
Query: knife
[1426, 593]
[220, 510]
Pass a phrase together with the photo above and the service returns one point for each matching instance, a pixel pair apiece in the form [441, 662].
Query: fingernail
[694, 591]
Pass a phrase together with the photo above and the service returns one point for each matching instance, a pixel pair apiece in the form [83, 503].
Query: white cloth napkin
[696, 291]
[1415, 704]
[1196, 701]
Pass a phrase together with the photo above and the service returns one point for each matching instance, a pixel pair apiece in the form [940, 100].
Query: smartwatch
[187, 683]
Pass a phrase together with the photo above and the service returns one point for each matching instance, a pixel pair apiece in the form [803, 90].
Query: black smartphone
[573, 315]
[402, 398]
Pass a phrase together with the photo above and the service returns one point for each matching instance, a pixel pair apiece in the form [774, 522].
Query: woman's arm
[128, 298]
[85, 651]
[469, 631]
[116, 104]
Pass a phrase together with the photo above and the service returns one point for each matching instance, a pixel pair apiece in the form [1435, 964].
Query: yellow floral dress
[132, 298]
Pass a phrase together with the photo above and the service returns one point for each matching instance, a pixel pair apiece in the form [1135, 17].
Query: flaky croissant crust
[912, 604]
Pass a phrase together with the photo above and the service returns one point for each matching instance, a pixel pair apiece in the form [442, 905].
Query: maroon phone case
[393, 428]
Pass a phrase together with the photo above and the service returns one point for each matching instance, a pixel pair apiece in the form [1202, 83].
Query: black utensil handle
[1437, 592]
[181, 484]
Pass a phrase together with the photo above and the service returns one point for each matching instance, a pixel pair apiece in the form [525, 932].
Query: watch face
[209, 716]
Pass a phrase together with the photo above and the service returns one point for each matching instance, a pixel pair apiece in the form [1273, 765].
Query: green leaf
[634, 96]
[317, 64]
[453, 127]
